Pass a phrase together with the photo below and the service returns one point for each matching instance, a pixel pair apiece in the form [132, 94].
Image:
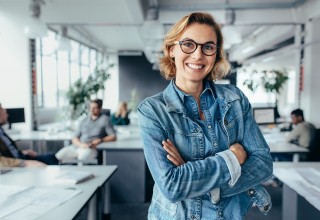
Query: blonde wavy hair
[167, 66]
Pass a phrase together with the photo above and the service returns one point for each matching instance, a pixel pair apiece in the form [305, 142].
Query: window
[57, 70]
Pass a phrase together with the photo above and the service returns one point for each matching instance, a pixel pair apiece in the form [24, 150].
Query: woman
[205, 152]
[121, 117]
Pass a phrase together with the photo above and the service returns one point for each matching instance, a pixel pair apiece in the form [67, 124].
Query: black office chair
[106, 112]
[314, 147]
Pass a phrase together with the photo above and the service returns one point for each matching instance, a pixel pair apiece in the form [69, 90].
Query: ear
[171, 52]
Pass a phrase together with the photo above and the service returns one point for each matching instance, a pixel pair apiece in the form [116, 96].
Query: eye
[209, 46]
[189, 44]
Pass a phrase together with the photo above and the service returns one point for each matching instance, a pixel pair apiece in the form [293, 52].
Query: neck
[191, 88]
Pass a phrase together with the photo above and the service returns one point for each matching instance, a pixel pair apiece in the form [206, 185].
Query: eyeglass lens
[189, 46]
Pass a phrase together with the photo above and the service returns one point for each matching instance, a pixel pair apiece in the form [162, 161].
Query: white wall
[15, 78]
[310, 100]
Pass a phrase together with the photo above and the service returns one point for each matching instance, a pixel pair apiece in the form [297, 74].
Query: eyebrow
[208, 42]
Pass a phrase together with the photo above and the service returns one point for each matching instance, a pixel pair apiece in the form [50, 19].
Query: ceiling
[130, 27]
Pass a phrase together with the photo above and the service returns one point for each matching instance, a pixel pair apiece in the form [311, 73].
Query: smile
[195, 66]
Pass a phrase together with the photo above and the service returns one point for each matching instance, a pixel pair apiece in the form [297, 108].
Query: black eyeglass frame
[182, 41]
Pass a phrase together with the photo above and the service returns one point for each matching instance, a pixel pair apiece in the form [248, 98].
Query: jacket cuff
[232, 164]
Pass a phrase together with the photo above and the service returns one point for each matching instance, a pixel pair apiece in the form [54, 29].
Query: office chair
[106, 112]
[314, 147]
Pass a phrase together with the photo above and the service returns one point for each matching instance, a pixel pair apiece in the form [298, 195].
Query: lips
[195, 66]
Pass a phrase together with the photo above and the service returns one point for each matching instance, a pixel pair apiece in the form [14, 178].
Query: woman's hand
[173, 154]
[239, 152]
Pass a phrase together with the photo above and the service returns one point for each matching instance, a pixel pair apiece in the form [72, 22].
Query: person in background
[9, 149]
[14, 162]
[302, 132]
[121, 117]
[203, 147]
[93, 130]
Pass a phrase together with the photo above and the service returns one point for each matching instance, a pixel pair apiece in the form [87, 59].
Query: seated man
[93, 130]
[9, 149]
[302, 132]
[14, 162]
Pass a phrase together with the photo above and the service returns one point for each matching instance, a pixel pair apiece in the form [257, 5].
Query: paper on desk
[305, 181]
[34, 202]
[9, 190]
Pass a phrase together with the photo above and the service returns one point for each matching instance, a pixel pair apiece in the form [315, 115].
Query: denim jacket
[179, 190]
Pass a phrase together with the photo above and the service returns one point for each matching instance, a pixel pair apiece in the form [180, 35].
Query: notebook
[73, 177]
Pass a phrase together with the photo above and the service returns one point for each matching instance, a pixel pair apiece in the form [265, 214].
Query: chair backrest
[105, 112]
[314, 147]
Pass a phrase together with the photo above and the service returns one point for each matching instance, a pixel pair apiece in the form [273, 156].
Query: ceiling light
[35, 28]
[265, 60]
[231, 35]
[247, 49]
[258, 30]
[63, 42]
[152, 29]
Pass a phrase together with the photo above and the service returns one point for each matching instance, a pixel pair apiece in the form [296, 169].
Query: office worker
[302, 131]
[14, 162]
[8, 148]
[93, 130]
[205, 152]
[121, 117]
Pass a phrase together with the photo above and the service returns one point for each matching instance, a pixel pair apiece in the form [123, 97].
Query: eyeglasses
[189, 46]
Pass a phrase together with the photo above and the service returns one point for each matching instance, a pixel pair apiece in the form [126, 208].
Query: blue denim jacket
[179, 191]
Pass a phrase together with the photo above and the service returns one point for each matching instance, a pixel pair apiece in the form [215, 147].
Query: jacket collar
[173, 97]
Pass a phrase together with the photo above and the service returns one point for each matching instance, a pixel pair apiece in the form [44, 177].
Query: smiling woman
[204, 150]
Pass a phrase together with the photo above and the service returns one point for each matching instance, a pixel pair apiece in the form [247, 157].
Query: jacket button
[209, 126]
[251, 192]
[193, 217]
[220, 213]
[266, 207]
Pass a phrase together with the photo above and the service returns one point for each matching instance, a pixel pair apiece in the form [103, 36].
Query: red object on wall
[301, 81]
[34, 80]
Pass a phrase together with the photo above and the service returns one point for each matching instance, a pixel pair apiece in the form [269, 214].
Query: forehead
[93, 105]
[201, 33]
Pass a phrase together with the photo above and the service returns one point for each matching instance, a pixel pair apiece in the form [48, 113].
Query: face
[94, 109]
[3, 116]
[194, 67]
[296, 119]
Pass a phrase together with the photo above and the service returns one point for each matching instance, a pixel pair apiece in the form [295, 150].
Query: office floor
[138, 211]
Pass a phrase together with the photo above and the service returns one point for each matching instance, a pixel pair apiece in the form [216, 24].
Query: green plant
[80, 93]
[271, 81]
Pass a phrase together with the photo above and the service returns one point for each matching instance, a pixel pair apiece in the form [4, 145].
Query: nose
[197, 54]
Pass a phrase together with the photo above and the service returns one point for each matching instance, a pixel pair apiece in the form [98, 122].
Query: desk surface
[128, 138]
[303, 178]
[43, 136]
[44, 177]
[278, 144]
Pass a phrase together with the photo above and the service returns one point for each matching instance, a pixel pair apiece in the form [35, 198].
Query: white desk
[69, 209]
[43, 136]
[300, 200]
[129, 183]
[277, 144]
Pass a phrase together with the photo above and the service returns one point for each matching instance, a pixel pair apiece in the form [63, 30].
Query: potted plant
[271, 80]
[80, 93]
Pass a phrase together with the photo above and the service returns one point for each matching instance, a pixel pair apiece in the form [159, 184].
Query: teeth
[194, 66]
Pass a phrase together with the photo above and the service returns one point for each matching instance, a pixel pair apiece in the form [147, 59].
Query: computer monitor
[16, 115]
[264, 115]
